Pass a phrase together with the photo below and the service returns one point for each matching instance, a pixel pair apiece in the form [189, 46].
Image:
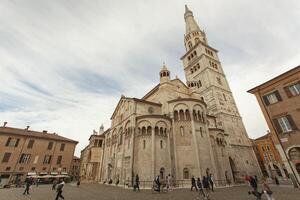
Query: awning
[53, 173]
[43, 173]
[64, 173]
[31, 174]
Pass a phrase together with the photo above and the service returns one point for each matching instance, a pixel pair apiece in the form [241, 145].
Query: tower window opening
[161, 144]
[190, 45]
[144, 144]
[200, 84]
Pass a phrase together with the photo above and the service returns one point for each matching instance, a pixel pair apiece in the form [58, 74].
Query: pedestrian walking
[200, 187]
[28, 183]
[136, 184]
[267, 190]
[193, 180]
[253, 184]
[54, 183]
[205, 184]
[211, 182]
[78, 182]
[157, 183]
[59, 190]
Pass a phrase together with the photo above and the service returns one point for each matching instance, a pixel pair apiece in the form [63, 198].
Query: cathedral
[180, 129]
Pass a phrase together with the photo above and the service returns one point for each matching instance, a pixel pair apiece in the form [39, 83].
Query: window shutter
[278, 95]
[266, 100]
[17, 142]
[291, 121]
[8, 141]
[277, 126]
[287, 91]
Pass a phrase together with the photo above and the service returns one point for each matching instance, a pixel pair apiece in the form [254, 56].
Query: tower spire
[190, 23]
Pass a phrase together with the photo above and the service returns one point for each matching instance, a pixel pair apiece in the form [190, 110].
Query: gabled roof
[36, 134]
[134, 99]
[158, 85]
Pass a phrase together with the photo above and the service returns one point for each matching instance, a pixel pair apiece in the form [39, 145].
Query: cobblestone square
[104, 192]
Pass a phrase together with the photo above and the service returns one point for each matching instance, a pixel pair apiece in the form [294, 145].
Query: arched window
[176, 115]
[156, 130]
[144, 144]
[199, 116]
[186, 173]
[139, 130]
[143, 130]
[187, 115]
[181, 131]
[161, 131]
[149, 129]
[181, 115]
[194, 115]
[121, 138]
[161, 144]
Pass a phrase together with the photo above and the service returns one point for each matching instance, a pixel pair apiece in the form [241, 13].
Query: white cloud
[64, 64]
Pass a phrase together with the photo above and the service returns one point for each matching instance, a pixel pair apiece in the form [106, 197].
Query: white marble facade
[181, 129]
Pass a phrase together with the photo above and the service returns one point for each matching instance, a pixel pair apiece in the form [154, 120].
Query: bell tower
[203, 68]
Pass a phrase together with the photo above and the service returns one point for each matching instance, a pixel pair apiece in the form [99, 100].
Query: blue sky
[64, 64]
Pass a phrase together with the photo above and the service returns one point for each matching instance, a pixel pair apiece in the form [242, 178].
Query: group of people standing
[205, 186]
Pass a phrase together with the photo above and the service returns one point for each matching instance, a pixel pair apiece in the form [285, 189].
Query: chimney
[4, 124]
[44, 131]
[27, 127]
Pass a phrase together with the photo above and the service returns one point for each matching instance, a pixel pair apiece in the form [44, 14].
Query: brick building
[268, 157]
[75, 168]
[279, 99]
[25, 152]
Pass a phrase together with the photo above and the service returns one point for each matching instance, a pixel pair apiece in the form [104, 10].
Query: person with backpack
[59, 190]
[253, 184]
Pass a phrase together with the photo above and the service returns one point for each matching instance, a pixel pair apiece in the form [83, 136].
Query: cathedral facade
[181, 129]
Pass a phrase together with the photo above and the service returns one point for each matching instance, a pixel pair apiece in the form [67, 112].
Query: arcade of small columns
[157, 127]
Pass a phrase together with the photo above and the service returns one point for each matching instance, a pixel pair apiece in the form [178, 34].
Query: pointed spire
[190, 23]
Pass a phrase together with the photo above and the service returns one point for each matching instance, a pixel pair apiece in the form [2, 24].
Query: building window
[181, 131]
[268, 147]
[50, 145]
[144, 144]
[30, 144]
[32, 168]
[7, 168]
[59, 159]
[24, 158]
[47, 159]
[12, 142]
[161, 144]
[284, 124]
[44, 168]
[186, 174]
[6, 157]
[62, 147]
[271, 98]
[292, 90]
[190, 45]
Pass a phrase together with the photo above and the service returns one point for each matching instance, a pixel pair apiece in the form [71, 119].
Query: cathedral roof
[157, 87]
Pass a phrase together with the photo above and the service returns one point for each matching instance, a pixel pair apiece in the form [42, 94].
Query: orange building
[24, 152]
[269, 157]
[279, 99]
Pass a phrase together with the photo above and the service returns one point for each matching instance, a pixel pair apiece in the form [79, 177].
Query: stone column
[195, 143]
[153, 152]
[176, 175]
